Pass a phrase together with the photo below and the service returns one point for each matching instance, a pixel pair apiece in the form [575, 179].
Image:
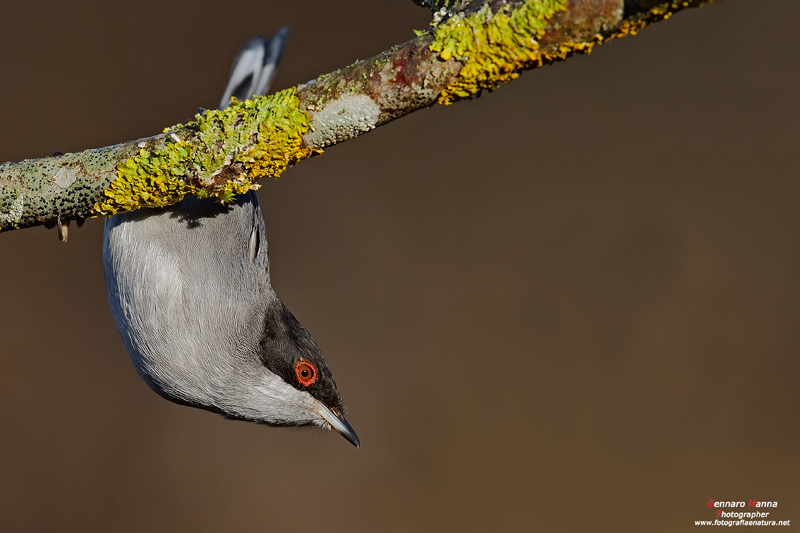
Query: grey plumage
[190, 292]
[254, 68]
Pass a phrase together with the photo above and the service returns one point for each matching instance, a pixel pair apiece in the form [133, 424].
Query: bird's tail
[254, 67]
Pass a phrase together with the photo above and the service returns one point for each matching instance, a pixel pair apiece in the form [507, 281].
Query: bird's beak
[338, 423]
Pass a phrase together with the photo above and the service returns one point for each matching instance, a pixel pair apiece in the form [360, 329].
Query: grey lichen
[53, 187]
[346, 117]
[64, 178]
[15, 213]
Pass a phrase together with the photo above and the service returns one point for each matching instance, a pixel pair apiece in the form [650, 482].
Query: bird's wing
[254, 67]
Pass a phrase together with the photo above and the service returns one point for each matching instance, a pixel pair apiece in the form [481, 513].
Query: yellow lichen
[256, 138]
[494, 47]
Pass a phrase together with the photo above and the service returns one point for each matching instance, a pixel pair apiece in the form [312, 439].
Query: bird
[189, 288]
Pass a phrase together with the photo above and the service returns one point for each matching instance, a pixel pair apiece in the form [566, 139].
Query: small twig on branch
[472, 45]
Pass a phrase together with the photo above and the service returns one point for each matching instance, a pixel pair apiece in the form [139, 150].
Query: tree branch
[475, 45]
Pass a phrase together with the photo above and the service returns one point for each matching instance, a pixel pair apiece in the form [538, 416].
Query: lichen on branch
[494, 47]
[472, 45]
[220, 154]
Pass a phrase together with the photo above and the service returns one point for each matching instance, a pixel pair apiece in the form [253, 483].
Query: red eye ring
[306, 372]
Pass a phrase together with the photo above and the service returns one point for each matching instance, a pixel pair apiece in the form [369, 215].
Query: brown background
[571, 305]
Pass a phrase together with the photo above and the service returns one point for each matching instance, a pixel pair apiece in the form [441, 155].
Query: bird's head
[298, 386]
[272, 373]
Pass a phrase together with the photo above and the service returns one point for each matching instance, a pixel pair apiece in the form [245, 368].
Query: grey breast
[173, 309]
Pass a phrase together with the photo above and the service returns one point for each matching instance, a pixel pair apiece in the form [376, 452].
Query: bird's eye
[306, 372]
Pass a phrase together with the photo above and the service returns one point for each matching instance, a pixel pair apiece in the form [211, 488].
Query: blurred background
[570, 305]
